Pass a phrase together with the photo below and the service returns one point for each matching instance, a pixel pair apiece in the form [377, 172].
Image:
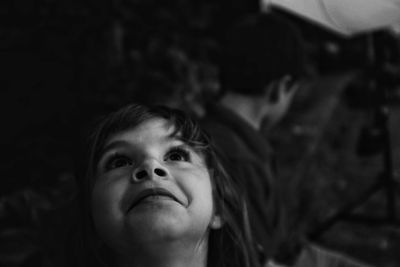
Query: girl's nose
[149, 169]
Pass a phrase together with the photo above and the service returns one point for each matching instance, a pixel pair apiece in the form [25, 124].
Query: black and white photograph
[200, 133]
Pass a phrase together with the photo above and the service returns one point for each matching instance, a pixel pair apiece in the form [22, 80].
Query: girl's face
[151, 187]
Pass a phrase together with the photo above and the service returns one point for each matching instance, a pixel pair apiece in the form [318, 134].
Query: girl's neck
[168, 256]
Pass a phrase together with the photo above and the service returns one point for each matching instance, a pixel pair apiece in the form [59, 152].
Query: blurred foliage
[318, 147]
[29, 236]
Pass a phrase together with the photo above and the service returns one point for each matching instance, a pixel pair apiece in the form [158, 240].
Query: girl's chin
[157, 217]
[156, 231]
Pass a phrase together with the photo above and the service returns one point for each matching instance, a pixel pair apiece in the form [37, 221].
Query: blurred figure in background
[262, 67]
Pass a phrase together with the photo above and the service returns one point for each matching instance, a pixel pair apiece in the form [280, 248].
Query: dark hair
[259, 49]
[231, 245]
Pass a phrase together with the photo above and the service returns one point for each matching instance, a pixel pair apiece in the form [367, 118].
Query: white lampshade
[347, 17]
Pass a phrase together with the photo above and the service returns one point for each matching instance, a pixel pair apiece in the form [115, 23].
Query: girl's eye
[177, 154]
[118, 161]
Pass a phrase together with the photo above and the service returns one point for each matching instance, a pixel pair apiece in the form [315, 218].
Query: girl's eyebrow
[113, 145]
[179, 143]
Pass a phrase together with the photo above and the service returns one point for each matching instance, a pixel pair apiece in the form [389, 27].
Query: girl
[155, 194]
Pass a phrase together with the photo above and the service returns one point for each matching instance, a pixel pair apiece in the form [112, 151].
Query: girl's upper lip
[154, 191]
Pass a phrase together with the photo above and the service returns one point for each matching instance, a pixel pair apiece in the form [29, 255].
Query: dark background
[63, 63]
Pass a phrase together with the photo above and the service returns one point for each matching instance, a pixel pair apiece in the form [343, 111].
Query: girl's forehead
[152, 130]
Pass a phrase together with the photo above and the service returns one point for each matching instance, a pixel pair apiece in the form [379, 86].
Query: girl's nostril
[160, 172]
[140, 175]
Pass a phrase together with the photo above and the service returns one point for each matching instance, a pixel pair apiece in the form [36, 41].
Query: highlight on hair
[229, 246]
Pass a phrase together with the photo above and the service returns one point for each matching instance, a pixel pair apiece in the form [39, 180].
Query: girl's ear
[216, 222]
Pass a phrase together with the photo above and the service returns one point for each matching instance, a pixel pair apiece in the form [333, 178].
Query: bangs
[189, 132]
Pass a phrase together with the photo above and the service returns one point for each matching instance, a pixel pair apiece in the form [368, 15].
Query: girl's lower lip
[155, 199]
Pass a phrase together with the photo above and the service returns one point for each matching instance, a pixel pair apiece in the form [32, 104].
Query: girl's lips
[155, 191]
